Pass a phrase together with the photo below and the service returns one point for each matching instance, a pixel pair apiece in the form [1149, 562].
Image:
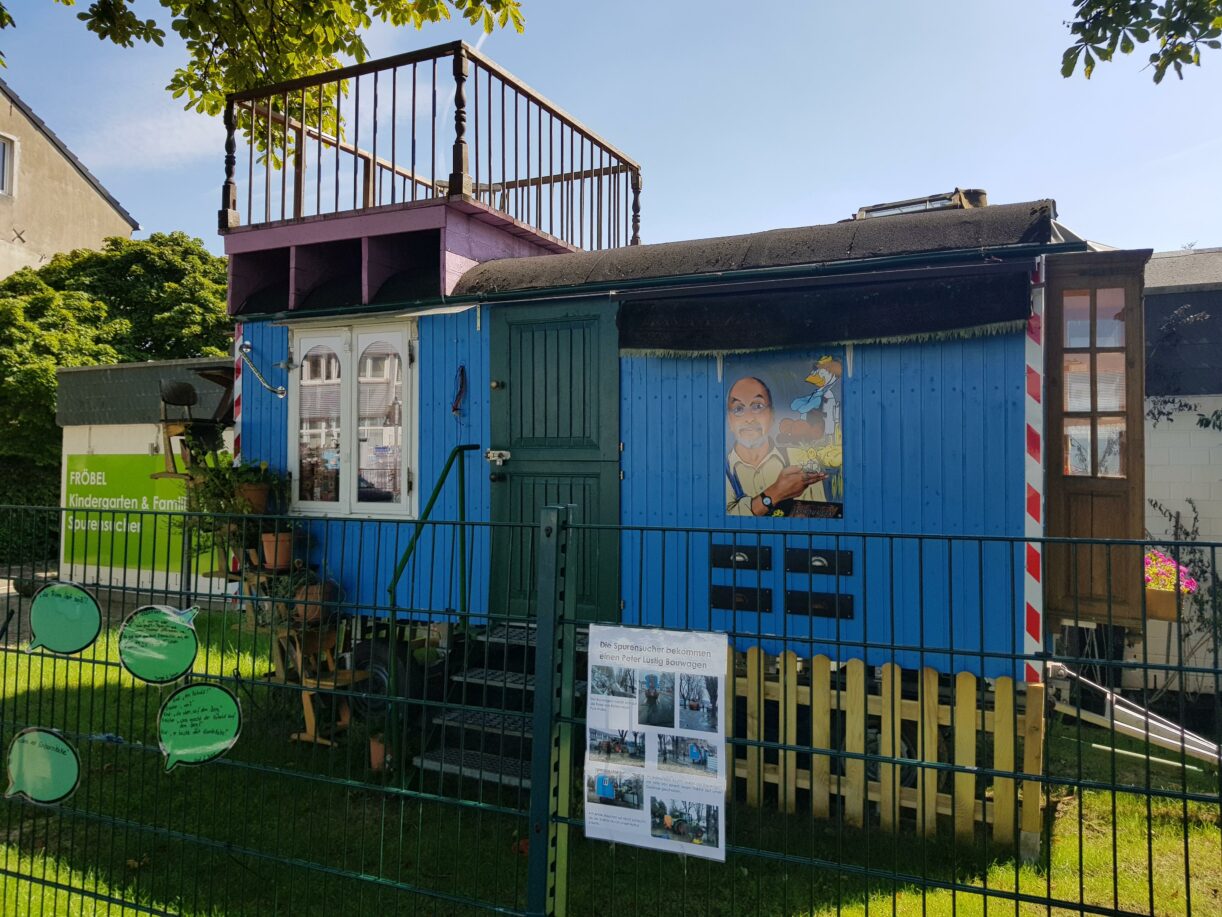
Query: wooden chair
[310, 651]
[182, 397]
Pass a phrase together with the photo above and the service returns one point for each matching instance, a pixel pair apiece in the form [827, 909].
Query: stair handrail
[424, 516]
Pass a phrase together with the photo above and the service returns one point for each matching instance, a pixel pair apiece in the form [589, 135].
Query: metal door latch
[500, 456]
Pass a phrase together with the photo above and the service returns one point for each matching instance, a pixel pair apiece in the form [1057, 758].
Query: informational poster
[784, 435]
[111, 500]
[655, 773]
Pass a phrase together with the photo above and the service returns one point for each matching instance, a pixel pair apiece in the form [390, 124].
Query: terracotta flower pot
[277, 550]
[377, 753]
[308, 607]
[255, 496]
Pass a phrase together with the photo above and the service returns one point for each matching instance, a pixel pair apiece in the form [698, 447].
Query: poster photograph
[655, 740]
[784, 434]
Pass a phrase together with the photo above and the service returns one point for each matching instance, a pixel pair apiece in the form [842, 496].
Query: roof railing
[379, 135]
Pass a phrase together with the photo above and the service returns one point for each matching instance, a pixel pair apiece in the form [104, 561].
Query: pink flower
[1165, 575]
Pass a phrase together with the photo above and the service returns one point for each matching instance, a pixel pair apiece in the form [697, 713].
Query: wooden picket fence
[819, 691]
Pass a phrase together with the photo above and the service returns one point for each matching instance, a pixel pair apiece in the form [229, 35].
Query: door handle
[497, 477]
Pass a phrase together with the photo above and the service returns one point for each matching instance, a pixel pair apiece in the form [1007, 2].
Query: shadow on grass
[277, 827]
[274, 827]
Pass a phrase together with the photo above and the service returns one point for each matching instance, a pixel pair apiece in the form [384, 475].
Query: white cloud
[165, 138]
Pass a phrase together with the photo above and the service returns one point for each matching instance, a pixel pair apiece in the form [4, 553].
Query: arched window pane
[319, 447]
[380, 424]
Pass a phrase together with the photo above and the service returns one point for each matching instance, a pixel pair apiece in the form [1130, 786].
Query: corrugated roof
[131, 392]
[68, 154]
[1181, 270]
[932, 231]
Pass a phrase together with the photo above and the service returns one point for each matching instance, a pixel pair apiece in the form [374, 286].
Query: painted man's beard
[751, 437]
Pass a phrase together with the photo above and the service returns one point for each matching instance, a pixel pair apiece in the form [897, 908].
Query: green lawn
[303, 830]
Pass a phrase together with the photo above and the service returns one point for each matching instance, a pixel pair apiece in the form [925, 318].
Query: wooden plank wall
[361, 554]
[933, 443]
[976, 721]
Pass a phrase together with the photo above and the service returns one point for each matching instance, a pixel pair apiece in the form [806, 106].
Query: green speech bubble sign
[64, 619]
[42, 766]
[158, 644]
[198, 723]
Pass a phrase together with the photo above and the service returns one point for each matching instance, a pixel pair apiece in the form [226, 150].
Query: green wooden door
[555, 410]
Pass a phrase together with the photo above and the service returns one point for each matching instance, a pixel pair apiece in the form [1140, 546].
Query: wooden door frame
[1095, 270]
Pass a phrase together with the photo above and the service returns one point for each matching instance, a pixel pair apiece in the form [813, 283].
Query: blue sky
[743, 116]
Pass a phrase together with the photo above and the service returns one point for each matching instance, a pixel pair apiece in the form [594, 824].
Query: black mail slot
[806, 560]
[819, 604]
[732, 599]
[740, 557]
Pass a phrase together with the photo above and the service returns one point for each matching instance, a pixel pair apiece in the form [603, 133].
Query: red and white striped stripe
[237, 392]
[1033, 510]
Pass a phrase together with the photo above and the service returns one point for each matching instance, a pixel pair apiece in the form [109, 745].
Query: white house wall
[1183, 461]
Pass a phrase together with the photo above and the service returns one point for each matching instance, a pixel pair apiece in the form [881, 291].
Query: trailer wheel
[374, 657]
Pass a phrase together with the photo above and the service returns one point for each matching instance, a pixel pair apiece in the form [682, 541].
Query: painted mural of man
[760, 478]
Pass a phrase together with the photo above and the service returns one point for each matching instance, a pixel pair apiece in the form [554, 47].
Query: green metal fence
[455, 785]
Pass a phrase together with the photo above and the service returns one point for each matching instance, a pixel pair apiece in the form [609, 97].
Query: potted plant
[306, 597]
[1166, 582]
[279, 540]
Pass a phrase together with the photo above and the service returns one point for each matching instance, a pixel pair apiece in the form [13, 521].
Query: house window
[351, 419]
[7, 149]
[1093, 370]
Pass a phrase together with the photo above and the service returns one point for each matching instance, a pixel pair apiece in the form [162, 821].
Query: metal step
[503, 724]
[503, 680]
[525, 635]
[475, 765]
[496, 678]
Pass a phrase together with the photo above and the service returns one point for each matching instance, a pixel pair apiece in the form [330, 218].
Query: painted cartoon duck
[826, 379]
[814, 438]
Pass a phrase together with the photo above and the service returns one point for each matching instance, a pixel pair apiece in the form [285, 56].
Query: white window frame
[8, 180]
[347, 341]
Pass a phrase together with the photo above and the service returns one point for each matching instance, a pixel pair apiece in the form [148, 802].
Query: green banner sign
[109, 499]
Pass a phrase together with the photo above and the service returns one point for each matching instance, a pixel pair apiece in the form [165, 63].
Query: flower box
[1166, 581]
[1161, 605]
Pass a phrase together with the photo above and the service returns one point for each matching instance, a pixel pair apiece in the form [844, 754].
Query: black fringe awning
[969, 302]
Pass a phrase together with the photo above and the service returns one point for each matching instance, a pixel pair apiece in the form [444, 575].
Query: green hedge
[28, 536]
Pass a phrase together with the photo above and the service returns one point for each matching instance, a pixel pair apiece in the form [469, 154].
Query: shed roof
[131, 392]
[913, 233]
[1194, 268]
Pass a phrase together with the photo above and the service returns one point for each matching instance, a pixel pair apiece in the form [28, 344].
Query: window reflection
[1109, 317]
[1077, 318]
[380, 428]
[1077, 382]
[319, 424]
[1111, 447]
[1110, 387]
[1077, 446]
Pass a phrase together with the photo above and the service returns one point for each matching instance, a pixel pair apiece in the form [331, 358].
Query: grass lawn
[281, 828]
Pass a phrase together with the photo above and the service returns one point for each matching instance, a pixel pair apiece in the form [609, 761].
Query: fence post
[551, 744]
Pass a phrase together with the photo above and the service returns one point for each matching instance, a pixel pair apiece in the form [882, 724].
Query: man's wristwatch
[767, 501]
